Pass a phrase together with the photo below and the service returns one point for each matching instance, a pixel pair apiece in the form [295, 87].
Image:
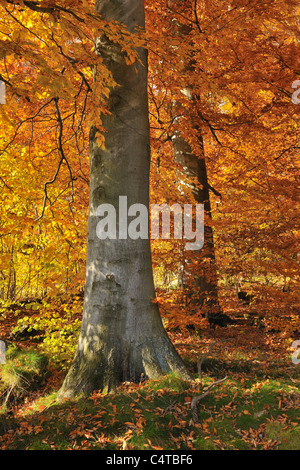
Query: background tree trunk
[122, 335]
[201, 265]
[204, 291]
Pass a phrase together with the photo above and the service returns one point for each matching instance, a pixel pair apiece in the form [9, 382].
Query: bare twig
[200, 397]
[197, 398]
[199, 364]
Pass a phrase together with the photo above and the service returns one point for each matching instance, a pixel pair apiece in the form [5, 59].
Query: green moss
[168, 382]
[289, 439]
[202, 443]
[37, 444]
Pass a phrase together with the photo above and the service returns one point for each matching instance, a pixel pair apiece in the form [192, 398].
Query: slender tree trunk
[122, 336]
[204, 291]
[200, 265]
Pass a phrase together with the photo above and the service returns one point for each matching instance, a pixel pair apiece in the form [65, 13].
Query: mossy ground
[255, 408]
[238, 414]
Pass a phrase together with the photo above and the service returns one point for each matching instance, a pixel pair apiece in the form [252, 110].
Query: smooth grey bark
[122, 336]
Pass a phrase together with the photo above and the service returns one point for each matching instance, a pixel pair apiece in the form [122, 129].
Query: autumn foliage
[244, 63]
[221, 74]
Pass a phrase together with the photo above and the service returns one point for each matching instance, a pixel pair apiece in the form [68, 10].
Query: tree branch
[5, 81]
[35, 6]
[63, 158]
[196, 17]
[213, 190]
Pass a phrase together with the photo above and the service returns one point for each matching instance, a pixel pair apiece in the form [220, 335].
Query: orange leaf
[157, 300]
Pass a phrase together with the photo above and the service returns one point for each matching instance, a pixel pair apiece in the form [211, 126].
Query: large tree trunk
[122, 336]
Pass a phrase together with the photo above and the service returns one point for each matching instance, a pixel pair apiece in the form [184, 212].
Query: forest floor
[255, 408]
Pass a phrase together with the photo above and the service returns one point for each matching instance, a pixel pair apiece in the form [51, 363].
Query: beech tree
[239, 64]
[202, 265]
[122, 335]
